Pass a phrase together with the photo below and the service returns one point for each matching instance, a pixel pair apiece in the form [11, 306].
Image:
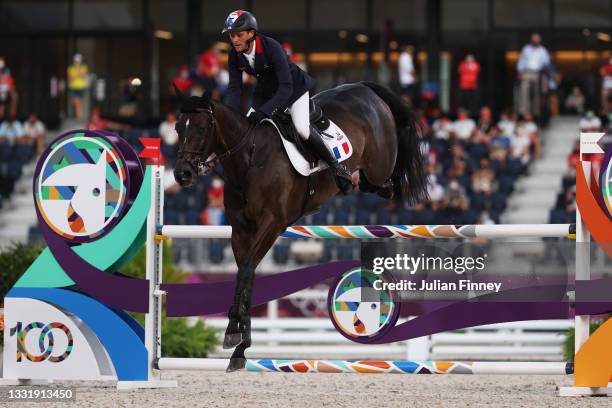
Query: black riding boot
[343, 176]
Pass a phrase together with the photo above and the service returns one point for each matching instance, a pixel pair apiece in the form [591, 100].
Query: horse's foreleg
[241, 242]
[269, 228]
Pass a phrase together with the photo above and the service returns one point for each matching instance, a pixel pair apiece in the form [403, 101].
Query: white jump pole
[482, 231]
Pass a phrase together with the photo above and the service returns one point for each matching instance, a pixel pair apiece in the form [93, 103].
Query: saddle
[282, 120]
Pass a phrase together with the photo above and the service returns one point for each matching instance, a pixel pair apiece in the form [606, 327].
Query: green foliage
[568, 346]
[14, 261]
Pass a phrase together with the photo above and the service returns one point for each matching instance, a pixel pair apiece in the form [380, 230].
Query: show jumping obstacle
[157, 232]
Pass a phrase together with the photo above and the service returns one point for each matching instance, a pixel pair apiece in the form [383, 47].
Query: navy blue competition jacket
[279, 81]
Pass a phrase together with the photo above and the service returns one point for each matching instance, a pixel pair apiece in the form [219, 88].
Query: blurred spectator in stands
[289, 51]
[533, 61]
[407, 74]
[485, 126]
[482, 178]
[442, 127]
[11, 130]
[590, 122]
[464, 127]
[214, 214]
[521, 145]
[34, 131]
[574, 102]
[208, 68]
[507, 123]
[167, 130]
[456, 202]
[528, 127]
[554, 79]
[434, 188]
[8, 93]
[183, 81]
[469, 70]
[129, 89]
[96, 122]
[606, 87]
[77, 84]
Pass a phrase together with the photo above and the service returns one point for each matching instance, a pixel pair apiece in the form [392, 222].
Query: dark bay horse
[264, 194]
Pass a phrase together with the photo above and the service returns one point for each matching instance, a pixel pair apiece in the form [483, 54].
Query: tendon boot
[343, 176]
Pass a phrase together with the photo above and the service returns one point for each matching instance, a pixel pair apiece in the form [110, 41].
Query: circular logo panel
[359, 307]
[80, 189]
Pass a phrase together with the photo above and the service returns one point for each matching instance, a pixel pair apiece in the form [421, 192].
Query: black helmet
[239, 20]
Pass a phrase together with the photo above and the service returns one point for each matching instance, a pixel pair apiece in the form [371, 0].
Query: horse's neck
[232, 128]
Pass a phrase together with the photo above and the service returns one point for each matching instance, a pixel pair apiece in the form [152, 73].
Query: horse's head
[197, 137]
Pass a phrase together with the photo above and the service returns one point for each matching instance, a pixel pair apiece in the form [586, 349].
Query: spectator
[606, 87]
[11, 130]
[590, 122]
[407, 74]
[214, 214]
[464, 127]
[482, 179]
[469, 70]
[521, 145]
[183, 81]
[575, 101]
[167, 130]
[34, 131]
[533, 61]
[96, 122]
[529, 128]
[208, 70]
[484, 128]
[442, 127]
[456, 203]
[507, 123]
[8, 94]
[77, 84]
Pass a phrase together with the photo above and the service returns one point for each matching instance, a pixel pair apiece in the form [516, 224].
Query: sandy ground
[209, 389]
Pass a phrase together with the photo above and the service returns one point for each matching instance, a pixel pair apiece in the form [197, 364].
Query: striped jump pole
[372, 366]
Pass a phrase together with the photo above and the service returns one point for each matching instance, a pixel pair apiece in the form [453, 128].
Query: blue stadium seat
[180, 200]
[404, 217]
[5, 152]
[320, 218]
[478, 151]
[498, 201]
[423, 217]
[505, 184]
[340, 217]
[477, 201]
[280, 253]
[383, 216]
[192, 217]
[23, 152]
[171, 216]
[215, 248]
[14, 169]
[362, 217]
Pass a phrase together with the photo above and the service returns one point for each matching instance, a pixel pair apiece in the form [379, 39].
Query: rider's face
[240, 39]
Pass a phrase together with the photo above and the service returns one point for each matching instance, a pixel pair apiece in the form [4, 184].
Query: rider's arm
[234, 90]
[280, 62]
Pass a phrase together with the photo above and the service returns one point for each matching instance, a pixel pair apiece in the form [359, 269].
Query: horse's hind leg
[385, 190]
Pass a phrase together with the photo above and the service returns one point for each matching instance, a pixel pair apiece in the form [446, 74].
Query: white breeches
[300, 115]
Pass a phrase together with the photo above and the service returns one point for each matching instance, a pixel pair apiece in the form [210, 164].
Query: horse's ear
[178, 92]
[207, 96]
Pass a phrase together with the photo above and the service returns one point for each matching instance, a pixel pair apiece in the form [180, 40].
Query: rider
[280, 84]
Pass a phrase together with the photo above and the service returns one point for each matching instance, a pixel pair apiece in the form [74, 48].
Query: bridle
[199, 162]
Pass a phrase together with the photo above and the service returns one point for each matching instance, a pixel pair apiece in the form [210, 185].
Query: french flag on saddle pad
[345, 147]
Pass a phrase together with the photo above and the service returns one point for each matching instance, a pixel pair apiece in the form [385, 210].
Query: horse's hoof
[235, 364]
[231, 340]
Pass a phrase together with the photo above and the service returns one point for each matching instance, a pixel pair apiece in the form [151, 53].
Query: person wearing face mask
[533, 61]
[469, 70]
[280, 84]
[77, 84]
[7, 91]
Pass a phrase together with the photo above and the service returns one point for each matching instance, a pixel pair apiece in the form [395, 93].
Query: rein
[209, 163]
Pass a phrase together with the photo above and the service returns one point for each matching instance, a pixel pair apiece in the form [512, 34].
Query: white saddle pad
[333, 137]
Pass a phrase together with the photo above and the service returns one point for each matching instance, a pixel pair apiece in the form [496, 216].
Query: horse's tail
[409, 179]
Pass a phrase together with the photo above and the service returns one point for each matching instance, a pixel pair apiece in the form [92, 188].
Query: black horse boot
[343, 176]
